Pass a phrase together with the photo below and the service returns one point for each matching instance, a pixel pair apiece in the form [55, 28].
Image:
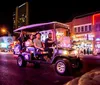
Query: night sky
[49, 10]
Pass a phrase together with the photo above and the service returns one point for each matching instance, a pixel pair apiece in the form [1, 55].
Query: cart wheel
[63, 67]
[21, 62]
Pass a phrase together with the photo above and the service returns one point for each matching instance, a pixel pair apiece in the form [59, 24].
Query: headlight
[63, 52]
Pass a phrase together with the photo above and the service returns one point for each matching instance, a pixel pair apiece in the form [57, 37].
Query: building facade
[25, 14]
[85, 32]
[21, 15]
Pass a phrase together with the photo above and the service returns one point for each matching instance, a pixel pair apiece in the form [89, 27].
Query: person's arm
[32, 44]
[43, 45]
[50, 41]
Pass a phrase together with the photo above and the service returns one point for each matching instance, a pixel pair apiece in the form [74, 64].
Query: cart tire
[63, 67]
[21, 62]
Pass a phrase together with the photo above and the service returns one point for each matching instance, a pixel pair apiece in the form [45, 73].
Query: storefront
[83, 43]
[97, 44]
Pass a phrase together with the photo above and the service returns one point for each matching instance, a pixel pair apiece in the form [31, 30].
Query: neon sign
[97, 39]
[59, 33]
[93, 18]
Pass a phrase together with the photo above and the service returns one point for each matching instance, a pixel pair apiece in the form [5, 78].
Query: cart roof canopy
[41, 26]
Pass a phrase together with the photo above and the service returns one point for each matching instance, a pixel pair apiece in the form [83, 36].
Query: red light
[94, 18]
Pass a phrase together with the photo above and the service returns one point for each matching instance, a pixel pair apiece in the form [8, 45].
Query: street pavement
[11, 74]
[90, 62]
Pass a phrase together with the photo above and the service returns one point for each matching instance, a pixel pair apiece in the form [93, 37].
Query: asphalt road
[11, 74]
[90, 62]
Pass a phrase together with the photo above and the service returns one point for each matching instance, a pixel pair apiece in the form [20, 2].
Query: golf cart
[64, 59]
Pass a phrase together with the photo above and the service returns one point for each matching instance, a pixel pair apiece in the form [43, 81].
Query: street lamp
[3, 30]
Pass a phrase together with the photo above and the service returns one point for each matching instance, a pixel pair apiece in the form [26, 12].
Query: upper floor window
[79, 29]
[86, 29]
[90, 28]
[82, 29]
[75, 29]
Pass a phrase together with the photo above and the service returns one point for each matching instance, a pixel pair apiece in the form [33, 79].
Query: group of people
[85, 50]
[33, 42]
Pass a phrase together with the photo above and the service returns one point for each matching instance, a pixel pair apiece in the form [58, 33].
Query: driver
[48, 43]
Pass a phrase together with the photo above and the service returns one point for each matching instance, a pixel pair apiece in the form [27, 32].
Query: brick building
[85, 31]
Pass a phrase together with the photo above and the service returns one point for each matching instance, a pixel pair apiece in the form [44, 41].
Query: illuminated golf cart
[63, 56]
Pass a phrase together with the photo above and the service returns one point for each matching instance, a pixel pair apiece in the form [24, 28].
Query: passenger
[48, 43]
[39, 47]
[30, 46]
[37, 42]
[29, 43]
[22, 38]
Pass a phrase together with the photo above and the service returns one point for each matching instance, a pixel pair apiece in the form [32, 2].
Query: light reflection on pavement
[11, 74]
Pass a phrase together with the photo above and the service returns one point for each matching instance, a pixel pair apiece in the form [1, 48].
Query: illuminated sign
[97, 39]
[84, 37]
[3, 45]
[5, 41]
[90, 36]
[95, 18]
[80, 37]
[60, 34]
